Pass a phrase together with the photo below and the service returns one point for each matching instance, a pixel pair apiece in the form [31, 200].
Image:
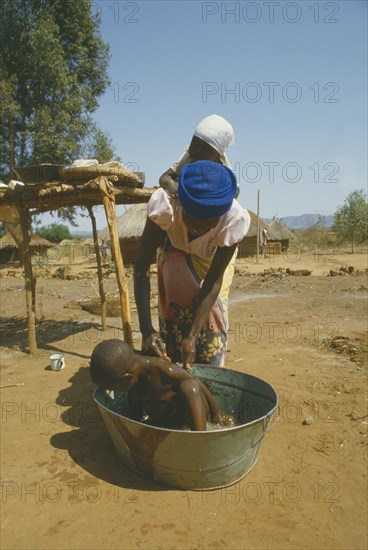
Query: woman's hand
[155, 343]
[189, 352]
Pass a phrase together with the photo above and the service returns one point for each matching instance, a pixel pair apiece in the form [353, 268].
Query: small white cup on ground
[57, 361]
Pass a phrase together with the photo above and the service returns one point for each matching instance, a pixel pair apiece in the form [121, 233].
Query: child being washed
[167, 393]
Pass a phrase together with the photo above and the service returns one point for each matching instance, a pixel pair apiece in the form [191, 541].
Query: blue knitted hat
[206, 189]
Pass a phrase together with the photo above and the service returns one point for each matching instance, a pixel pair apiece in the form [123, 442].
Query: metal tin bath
[196, 460]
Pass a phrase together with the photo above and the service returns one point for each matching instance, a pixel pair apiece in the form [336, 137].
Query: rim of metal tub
[266, 418]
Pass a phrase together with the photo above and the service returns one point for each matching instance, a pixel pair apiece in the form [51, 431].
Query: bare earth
[63, 486]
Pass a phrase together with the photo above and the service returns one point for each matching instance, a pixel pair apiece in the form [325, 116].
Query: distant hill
[303, 221]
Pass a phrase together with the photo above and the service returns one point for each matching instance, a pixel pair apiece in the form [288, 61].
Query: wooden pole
[258, 226]
[108, 200]
[30, 281]
[99, 268]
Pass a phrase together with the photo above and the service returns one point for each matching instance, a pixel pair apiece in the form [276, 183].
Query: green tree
[351, 219]
[100, 147]
[53, 69]
[55, 232]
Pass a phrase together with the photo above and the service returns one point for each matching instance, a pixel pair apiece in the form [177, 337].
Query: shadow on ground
[14, 333]
[89, 444]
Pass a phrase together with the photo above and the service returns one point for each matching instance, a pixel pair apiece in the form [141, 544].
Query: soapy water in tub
[210, 426]
[119, 405]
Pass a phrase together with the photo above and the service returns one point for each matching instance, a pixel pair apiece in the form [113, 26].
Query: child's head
[112, 365]
[210, 139]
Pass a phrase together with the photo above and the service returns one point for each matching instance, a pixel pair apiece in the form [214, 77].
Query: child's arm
[213, 407]
[195, 394]
[195, 404]
[216, 414]
[164, 378]
[168, 181]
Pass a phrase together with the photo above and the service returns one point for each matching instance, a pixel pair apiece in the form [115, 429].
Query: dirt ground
[63, 486]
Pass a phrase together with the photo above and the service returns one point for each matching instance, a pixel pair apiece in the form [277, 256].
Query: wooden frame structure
[45, 197]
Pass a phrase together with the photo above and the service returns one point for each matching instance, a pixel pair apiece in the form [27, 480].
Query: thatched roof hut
[279, 233]
[131, 225]
[248, 246]
[130, 229]
[9, 250]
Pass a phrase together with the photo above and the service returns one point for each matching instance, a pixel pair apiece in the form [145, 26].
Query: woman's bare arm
[207, 296]
[152, 238]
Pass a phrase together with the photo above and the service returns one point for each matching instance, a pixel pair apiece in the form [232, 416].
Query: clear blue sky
[174, 62]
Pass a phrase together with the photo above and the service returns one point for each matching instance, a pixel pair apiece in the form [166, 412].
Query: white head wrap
[216, 131]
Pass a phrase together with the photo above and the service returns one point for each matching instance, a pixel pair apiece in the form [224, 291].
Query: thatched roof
[278, 232]
[7, 241]
[252, 231]
[130, 224]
